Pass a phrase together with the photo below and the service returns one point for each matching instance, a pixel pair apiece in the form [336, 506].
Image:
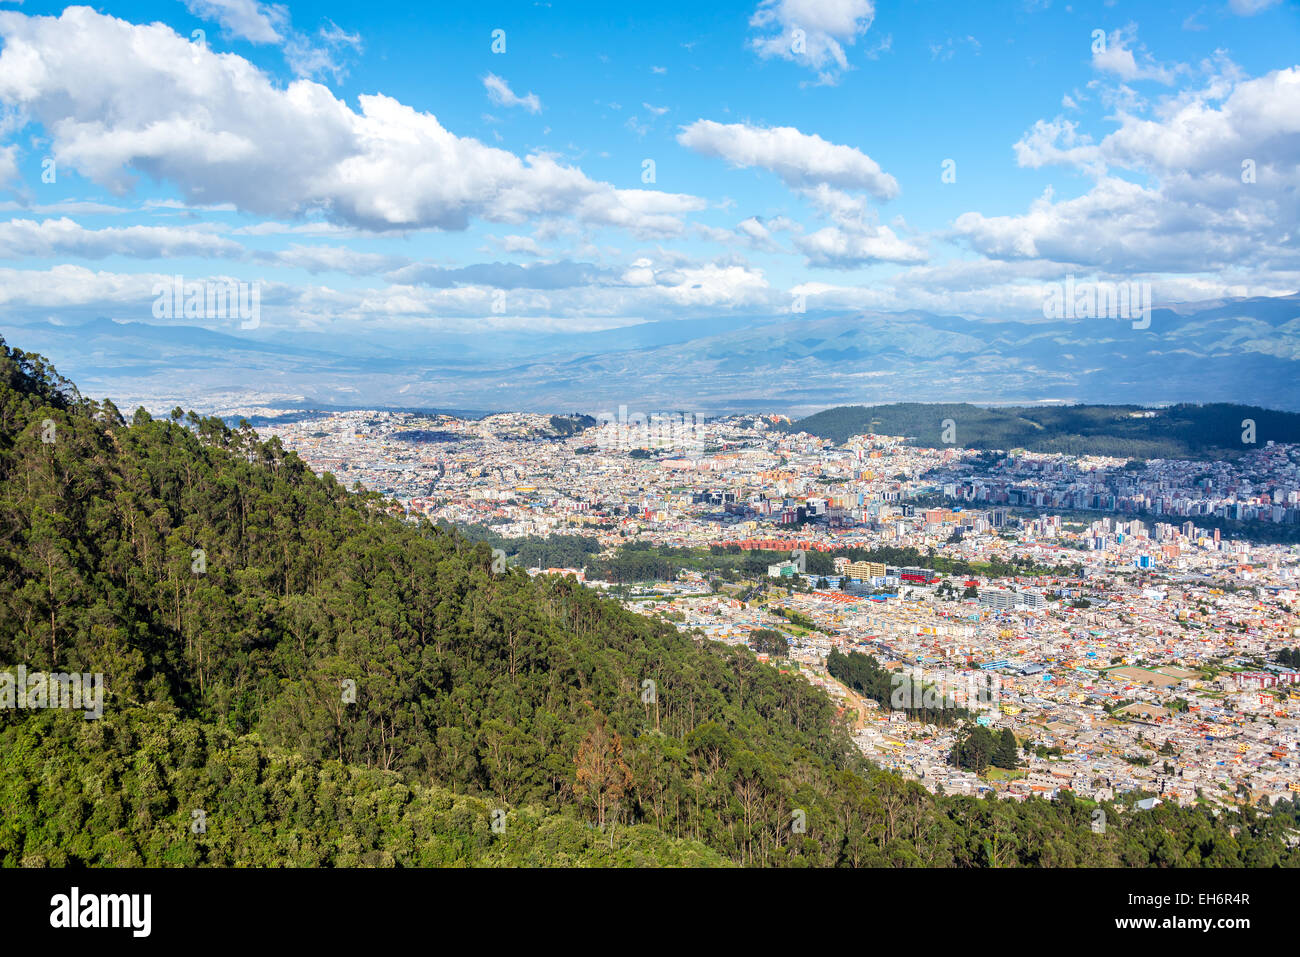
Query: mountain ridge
[1244, 351]
[1183, 430]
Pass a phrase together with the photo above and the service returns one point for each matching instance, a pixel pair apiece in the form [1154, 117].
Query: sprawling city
[466, 461]
[1125, 652]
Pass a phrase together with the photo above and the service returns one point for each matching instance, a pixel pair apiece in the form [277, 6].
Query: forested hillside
[330, 685]
[1179, 431]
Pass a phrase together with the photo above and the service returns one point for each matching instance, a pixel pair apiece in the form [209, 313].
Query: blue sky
[375, 166]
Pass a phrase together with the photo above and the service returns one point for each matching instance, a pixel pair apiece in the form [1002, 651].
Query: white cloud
[714, 234]
[68, 285]
[64, 237]
[758, 234]
[945, 50]
[1117, 57]
[316, 228]
[316, 259]
[1121, 225]
[577, 292]
[8, 164]
[1222, 166]
[813, 32]
[76, 207]
[661, 286]
[245, 19]
[1058, 141]
[1248, 8]
[836, 248]
[311, 57]
[822, 173]
[265, 23]
[801, 160]
[335, 35]
[711, 285]
[499, 92]
[841, 208]
[521, 244]
[221, 131]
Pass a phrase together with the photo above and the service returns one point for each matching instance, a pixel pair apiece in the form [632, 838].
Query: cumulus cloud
[1120, 57]
[813, 32]
[837, 248]
[823, 173]
[801, 160]
[841, 208]
[1222, 166]
[760, 233]
[499, 92]
[221, 131]
[707, 284]
[1118, 224]
[1051, 142]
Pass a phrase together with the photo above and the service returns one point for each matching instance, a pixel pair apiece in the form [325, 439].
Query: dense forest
[893, 690]
[1289, 657]
[978, 748]
[1179, 431]
[567, 425]
[295, 676]
[554, 551]
[644, 562]
[769, 641]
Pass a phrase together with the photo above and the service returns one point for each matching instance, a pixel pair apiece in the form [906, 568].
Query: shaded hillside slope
[1179, 431]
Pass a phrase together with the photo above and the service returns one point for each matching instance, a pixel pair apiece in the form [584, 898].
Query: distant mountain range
[1241, 351]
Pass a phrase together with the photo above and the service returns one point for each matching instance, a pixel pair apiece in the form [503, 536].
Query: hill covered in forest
[1178, 431]
[295, 676]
